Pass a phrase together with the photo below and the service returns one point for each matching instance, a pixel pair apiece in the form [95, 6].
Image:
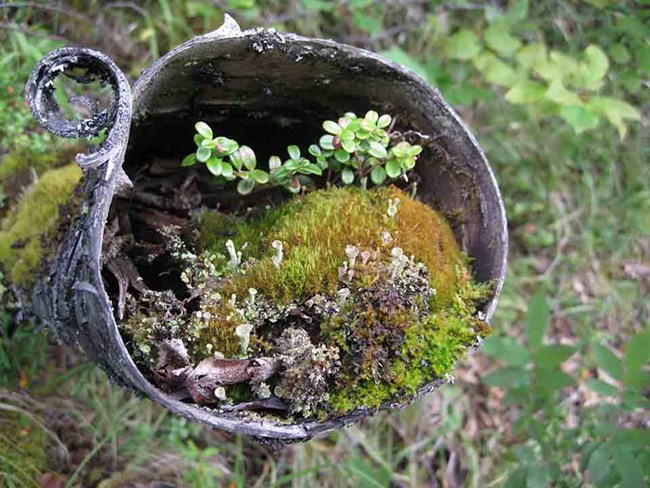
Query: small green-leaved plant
[352, 150]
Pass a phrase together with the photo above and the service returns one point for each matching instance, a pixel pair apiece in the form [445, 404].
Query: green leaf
[402, 57]
[628, 468]
[393, 168]
[215, 166]
[608, 361]
[327, 142]
[537, 320]
[643, 58]
[559, 94]
[291, 164]
[598, 466]
[226, 171]
[517, 12]
[505, 349]
[632, 438]
[407, 163]
[332, 127]
[516, 479]
[616, 112]
[619, 53]
[551, 356]
[203, 129]
[311, 169]
[463, 45]
[500, 40]
[345, 122]
[538, 476]
[314, 150]
[377, 150]
[294, 151]
[225, 146]
[347, 176]
[593, 68]
[637, 355]
[349, 146]
[552, 379]
[525, 92]
[579, 118]
[346, 135]
[198, 139]
[384, 121]
[372, 116]
[531, 55]
[244, 157]
[244, 187]
[203, 154]
[342, 155]
[602, 387]
[275, 162]
[209, 143]
[378, 175]
[189, 160]
[496, 71]
[508, 377]
[261, 177]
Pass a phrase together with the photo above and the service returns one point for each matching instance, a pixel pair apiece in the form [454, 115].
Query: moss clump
[315, 230]
[423, 347]
[34, 218]
[18, 168]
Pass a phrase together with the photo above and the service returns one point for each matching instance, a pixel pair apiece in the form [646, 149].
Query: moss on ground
[35, 217]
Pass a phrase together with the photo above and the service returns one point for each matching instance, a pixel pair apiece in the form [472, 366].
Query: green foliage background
[556, 93]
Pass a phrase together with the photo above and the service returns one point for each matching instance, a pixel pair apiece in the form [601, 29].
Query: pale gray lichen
[308, 368]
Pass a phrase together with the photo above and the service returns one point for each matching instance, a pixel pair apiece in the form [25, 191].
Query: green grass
[578, 211]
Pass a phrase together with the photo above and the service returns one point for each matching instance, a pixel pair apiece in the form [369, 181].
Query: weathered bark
[250, 84]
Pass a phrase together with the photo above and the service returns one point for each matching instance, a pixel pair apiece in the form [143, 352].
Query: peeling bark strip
[254, 74]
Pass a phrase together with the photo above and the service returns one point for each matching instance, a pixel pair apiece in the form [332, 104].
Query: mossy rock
[32, 221]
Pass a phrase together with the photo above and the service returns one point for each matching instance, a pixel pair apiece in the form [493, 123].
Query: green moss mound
[315, 230]
[35, 217]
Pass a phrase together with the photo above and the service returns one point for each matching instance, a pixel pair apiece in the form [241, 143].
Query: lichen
[308, 371]
[35, 217]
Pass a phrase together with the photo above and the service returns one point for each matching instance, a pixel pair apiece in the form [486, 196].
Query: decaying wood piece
[212, 373]
[174, 373]
[254, 75]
